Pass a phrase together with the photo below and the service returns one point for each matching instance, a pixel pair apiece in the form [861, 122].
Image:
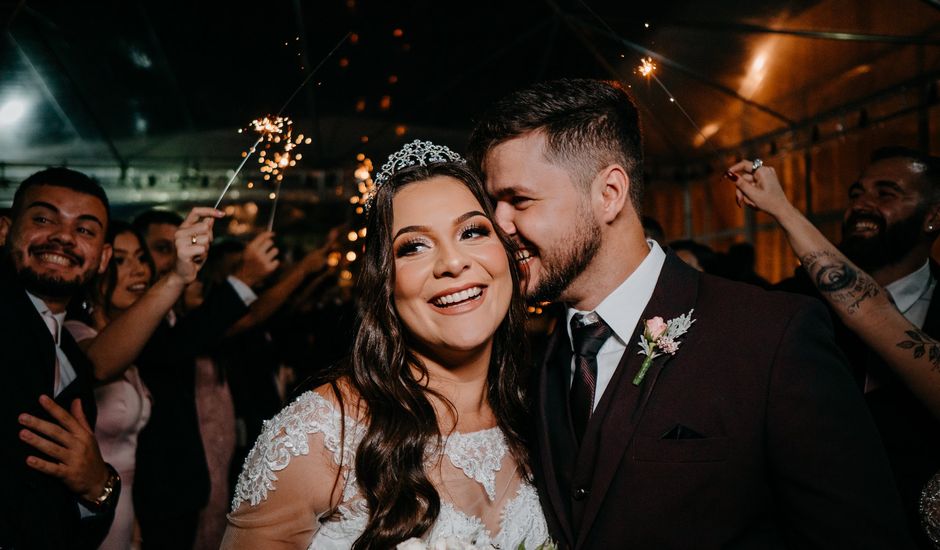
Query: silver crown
[416, 153]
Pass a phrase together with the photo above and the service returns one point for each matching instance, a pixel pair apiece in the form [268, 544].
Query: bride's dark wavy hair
[402, 424]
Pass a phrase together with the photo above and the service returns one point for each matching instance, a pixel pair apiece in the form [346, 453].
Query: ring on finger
[192, 239]
[756, 165]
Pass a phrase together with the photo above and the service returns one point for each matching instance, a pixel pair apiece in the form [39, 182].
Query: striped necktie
[587, 340]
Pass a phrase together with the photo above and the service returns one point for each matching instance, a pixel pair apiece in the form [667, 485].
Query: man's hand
[259, 259]
[192, 240]
[71, 443]
[314, 260]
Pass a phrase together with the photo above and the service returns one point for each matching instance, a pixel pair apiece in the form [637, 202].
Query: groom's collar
[622, 308]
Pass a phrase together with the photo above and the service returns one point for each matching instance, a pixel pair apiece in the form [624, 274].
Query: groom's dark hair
[588, 124]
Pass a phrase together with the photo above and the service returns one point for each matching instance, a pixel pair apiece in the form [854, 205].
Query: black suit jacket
[910, 433]
[751, 436]
[37, 511]
[172, 477]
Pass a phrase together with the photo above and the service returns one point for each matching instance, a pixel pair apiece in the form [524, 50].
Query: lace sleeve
[290, 477]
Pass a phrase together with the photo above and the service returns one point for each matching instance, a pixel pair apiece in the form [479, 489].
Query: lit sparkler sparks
[271, 128]
[648, 69]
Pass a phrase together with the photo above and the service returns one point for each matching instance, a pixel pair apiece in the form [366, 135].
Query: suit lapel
[44, 366]
[80, 388]
[553, 433]
[623, 403]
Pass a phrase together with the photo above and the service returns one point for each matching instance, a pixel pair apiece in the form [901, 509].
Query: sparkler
[271, 129]
[231, 180]
[648, 69]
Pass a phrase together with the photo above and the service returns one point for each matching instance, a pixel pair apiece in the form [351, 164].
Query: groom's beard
[564, 264]
[888, 246]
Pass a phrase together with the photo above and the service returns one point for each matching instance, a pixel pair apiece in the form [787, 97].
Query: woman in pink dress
[124, 402]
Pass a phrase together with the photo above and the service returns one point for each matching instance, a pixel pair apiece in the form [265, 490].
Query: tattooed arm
[858, 300]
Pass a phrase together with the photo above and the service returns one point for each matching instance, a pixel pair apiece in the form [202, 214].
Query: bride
[421, 434]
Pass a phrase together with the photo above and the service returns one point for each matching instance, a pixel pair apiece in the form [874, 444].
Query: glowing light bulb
[13, 110]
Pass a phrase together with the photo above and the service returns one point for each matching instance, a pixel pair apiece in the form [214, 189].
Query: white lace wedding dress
[483, 498]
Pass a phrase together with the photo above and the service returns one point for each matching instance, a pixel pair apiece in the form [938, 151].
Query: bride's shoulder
[317, 426]
[343, 397]
[319, 409]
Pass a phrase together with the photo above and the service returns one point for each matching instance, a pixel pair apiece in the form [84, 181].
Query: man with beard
[743, 432]
[58, 492]
[888, 230]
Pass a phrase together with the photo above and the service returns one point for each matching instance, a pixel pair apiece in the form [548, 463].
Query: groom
[750, 435]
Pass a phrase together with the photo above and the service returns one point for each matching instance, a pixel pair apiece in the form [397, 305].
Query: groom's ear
[615, 192]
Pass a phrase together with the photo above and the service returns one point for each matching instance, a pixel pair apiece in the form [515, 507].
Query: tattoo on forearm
[921, 344]
[838, 280]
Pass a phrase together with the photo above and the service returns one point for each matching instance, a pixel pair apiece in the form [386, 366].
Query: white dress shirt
[621, 310]
[65, 373]
[912, 294]
[244, 291]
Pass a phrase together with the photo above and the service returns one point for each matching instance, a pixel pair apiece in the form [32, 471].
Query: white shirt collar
[44, 311]
[622, 308]
[910, 288]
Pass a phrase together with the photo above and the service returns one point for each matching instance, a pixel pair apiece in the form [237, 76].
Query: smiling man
[889, 229]
[743, 432]
[59, 493]
[893, 217]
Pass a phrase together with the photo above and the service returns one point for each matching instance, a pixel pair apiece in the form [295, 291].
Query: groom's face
[545, 212]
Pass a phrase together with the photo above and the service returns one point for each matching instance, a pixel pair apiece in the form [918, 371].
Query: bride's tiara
[416, 153]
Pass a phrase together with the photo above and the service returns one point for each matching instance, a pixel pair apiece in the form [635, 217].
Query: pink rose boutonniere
[661, 338]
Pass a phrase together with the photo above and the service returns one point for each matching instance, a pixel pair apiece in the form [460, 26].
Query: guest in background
[697, 255]
[894, 196]
[58, 491]
[123, 401]
[739, 265]
[172, 477]
[158, 229]
[653, 230]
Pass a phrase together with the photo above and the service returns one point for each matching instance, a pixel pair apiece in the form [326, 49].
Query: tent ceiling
[143, 81]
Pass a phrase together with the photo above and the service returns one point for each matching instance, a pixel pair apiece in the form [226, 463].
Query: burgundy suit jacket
[752, 435]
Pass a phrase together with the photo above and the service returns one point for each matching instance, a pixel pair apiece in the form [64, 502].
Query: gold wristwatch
[111, 487]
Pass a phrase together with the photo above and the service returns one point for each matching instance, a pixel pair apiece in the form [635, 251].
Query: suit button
[581, 493]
